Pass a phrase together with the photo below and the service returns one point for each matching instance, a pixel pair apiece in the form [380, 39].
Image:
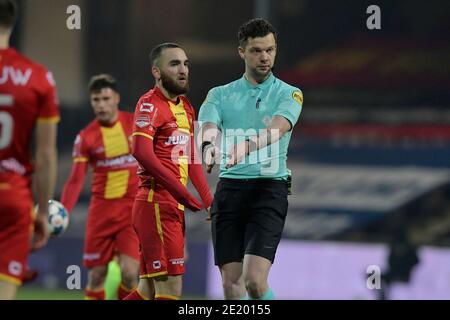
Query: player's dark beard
[172, 86]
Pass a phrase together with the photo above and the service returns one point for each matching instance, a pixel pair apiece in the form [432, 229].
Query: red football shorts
[160, 228]
[16, 217]
[109, 231]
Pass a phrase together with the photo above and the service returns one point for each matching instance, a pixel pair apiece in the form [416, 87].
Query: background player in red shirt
[164, 146]
[105, 145]
[27, 101]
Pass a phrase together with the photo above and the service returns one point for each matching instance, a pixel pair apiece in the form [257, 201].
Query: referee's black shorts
[248, 218]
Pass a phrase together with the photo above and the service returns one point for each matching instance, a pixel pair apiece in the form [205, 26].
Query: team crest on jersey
[147, 107]
[298, 96]
[142, 121]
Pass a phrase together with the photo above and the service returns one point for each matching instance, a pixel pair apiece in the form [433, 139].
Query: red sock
[135, 295]
[94, 295]
[166, 297]
[123, 291]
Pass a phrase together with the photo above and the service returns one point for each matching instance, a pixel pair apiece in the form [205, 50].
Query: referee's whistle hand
[237, 155]
[230, 164]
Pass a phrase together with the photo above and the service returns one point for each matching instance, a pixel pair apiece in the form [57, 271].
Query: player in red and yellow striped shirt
[164, 146]
[28, 102]
[105, 145]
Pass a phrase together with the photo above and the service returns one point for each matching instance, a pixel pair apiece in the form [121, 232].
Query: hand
[211, 152]
[41, 232]
[193, 204]
[208, 211]
[238, 153]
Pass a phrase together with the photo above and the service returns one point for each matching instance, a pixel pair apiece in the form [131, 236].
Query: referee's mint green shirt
[240, 109]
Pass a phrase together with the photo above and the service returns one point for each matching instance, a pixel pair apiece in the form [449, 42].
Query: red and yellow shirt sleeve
[146, 119]
[74, 183]
[80, 149]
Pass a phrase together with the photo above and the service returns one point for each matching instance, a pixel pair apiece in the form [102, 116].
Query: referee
[247, 126]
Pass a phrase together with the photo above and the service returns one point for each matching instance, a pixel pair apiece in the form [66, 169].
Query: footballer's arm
[46, 167]
[142, 151]
[74, 184]
[210, 138]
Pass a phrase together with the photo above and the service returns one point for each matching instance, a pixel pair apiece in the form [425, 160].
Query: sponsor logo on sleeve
[142, 121]
[298, 96]
[146, 107]
[177, 261]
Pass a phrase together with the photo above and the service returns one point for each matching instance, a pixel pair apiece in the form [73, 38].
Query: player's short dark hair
[102, 81]
[255, 28]
[8, 13]
[156, 51]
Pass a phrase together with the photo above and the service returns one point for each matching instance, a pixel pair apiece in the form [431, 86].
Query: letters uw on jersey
[16, 76]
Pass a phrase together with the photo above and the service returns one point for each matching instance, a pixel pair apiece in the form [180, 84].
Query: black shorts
[248, 218]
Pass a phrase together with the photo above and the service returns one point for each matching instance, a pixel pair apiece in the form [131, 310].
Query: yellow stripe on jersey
[152, 190]
[180, 115]
[10, 279]
[80, 159]
[184, 172]
[142, 134]
[183, 125]
[115, 141]
[5, 186]
[158, 223]
[151, 275]
[116, 184]
[167, 296]
[48, 120]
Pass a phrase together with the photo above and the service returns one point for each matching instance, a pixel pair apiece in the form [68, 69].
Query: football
[58, 217]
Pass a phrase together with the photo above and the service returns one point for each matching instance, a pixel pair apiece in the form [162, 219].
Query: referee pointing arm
[247, 126]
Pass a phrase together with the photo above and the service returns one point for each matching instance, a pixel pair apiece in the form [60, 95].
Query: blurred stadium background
[370, 155]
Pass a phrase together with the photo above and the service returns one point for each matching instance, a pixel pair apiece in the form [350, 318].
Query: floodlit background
[370, 155]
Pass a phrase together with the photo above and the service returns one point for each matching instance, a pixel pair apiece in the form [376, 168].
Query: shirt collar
[159, 93]
[263, 85]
